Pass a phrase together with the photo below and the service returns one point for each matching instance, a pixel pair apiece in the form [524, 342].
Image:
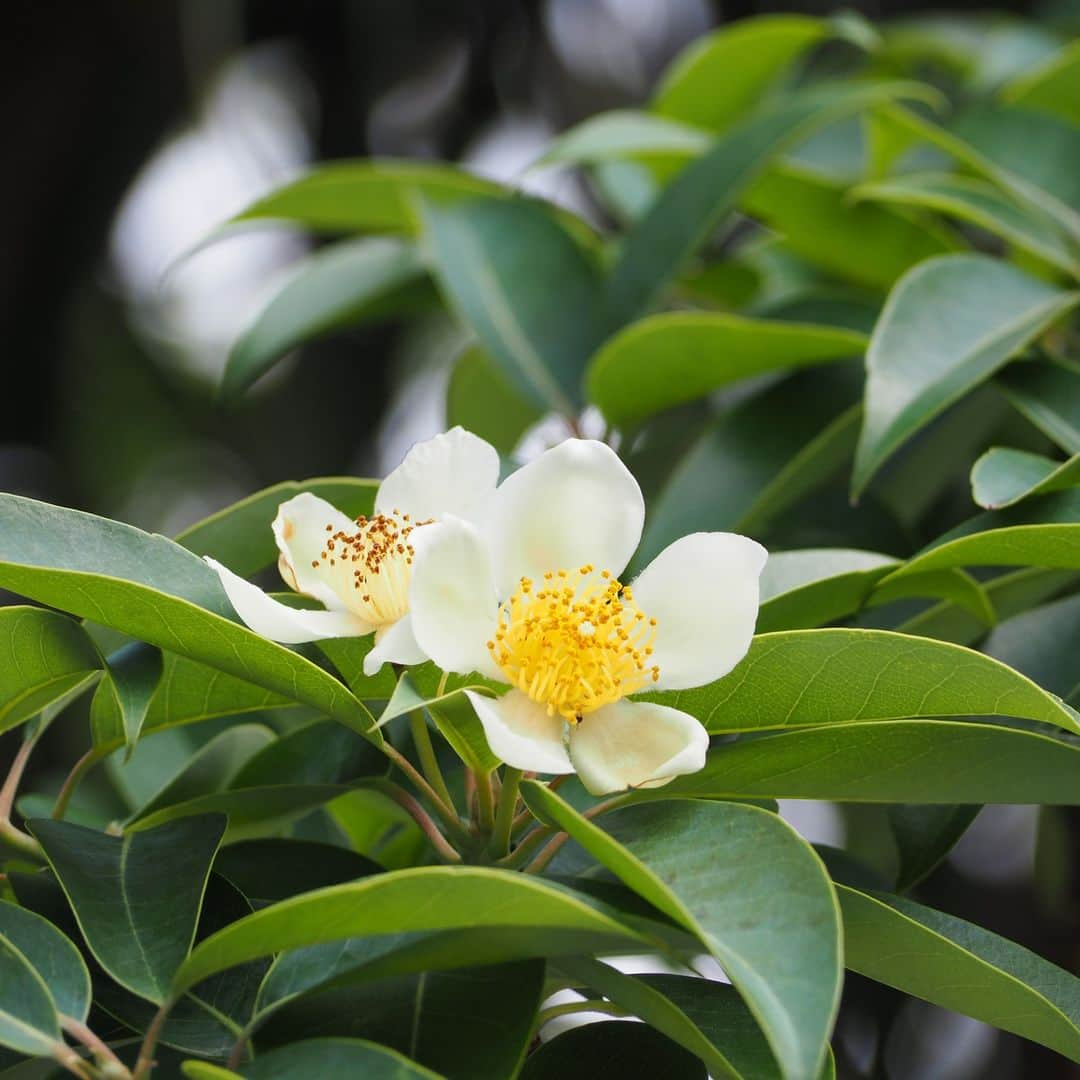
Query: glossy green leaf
[426, 898]
[240, 535]
[725, 74]
[668, 359]
[1049, 396]
[1051, 87]
[482, 400]
[955, 585]
[801, 678]
[611, 1050]
[979, 203]
[338, 286]
[765, 909]
[43, 656]
[136, 899]
[892, 761]
[962, 967]
[536, 305]
[948, 325]
[28, 1018]
[132, 677]
[924, 835]
[1003, 476]
[863, 243]
[690, 206]
[153, 589]
[52, 955]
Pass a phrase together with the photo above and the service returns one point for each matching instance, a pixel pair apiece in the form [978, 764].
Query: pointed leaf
[52, 955]
[1049, 396]
[1051, 86]
[924, 835]
[28, 1018]
[132, 677]
[1003, 476]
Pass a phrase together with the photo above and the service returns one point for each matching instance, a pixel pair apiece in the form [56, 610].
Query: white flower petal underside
[453, 473]
[521, 733]
[635, 744]
[575, 504]
[452, 597]
[703, 592]
[394, 644]
[301, 534]
[274, 620]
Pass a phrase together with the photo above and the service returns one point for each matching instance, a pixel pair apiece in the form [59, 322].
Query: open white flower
[360, 569]
[530, 595]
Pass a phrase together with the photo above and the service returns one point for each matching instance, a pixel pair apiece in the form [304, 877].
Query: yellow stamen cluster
[576, 643]
[375, 562]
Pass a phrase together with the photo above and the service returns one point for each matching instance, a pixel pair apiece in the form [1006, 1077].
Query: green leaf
[132, 677]
[948, 325]
[626, 133]
[980, 203]
[470, 1024]
[924, 835]
[483, 400]
[890, 761]
[725, 74]
[153, 589]
[136, 899]
[757, 459]
[425, 898]
[611, 1050]
[962, 967]
[320, 1057]
[1003, 476]
[668, 359]
[802, 678]
[240, 536]
[1051, 86]
[43, 656]
[690, 206]
[28, 1019]
[778, 941]
[1048, 395]
[1042, 644]
[955, 585]
[862, 243]
[536, 305]
[51, 955]
[336, 287]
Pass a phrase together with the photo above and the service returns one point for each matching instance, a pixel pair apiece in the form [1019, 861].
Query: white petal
[394, 644]
[521, 733]
[276, 621]
[453, 473]
[452, 597]
[635, 744]
[703, 592]
[301, 534]
[577, 503]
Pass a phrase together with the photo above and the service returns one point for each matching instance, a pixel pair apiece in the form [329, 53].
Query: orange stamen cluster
[378, 559]
[577, 643]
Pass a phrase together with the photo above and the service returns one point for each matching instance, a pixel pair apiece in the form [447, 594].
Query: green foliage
[809, 285]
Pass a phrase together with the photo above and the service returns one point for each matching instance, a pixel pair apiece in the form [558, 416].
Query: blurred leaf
[725, 74]
[1053, 86]
[611, 1050]
[320, 752]
[667, 359]
[482, 400]
[426, 898]
[319, 1057]
[924, 835]
[240, 536]
[626, 133]
[890, 761]
[802, 678]
[1042, 644]
[43, 655]
[980, 203]
[1003, 476]
[53, 956]
[158, 876]
[153, 589]
[962, 967]
[28, 1019]
[338, 286]
[949, 324]
[1049, 396]
[954, 584]
[859, 242]
[536, 305]
[778, 942]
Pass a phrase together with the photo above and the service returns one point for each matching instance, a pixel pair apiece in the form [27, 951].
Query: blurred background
[135, 129]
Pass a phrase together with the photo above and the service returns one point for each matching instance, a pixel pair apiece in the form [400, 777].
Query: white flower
[530, 595]
[360, 570]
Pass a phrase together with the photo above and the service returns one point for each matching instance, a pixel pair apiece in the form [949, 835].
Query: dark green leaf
[1049, 396]
[484, 401]
[28, 1019]
[611, 1050]
[1003, 476]
[1042, 644]
[319, 1057]
[924, 835]
[51, 955]
[132, 677]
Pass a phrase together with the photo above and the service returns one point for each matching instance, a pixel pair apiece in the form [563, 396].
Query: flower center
[372, 566]
[577, 643]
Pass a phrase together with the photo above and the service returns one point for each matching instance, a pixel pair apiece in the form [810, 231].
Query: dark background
[135, 127]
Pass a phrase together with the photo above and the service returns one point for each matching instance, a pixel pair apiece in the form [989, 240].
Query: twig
[541, 861]
[446, 813]
[485, 802]
[149, 1044]
[73, 779]
[101, 1051]
[413, 808]
[428, 761]
[11, 784]
[504, 813]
